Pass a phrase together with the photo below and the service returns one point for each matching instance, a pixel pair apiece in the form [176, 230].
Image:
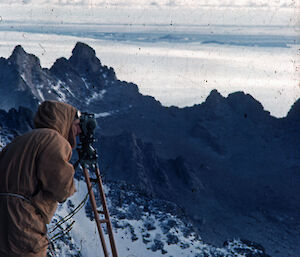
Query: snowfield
[138, 232]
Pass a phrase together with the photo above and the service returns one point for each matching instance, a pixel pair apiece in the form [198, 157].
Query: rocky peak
[216, 104]
[214, 97]
[84, 59]
[245, 105]
[84, 51]
[21, 58]
[61, 66]
[240, 99]
[294, 112]
[18, 51]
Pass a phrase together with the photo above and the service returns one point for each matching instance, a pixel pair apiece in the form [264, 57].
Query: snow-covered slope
[142, 227]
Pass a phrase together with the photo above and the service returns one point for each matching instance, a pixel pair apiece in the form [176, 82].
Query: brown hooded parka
[36, 166]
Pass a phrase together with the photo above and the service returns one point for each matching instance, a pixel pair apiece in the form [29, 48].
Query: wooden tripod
[96, 212]
[88, 157]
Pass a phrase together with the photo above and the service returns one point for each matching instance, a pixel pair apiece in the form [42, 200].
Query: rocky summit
[227, 163]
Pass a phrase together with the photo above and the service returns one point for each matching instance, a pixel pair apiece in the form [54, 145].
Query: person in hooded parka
[35, 175]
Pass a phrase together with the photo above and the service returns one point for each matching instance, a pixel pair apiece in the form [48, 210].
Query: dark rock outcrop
[19, 121]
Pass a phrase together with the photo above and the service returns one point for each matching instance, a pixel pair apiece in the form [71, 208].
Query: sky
[168, 3]
[247, 12]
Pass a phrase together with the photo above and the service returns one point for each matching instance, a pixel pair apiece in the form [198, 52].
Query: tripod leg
[106, 213]
[94, 206]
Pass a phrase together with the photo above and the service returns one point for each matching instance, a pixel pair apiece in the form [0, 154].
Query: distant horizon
[205, 91]
[195, 46]
[214, 89]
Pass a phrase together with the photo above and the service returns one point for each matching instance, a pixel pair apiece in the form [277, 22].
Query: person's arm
[54, 172]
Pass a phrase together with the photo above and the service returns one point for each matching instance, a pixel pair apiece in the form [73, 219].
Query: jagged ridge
[224, 161]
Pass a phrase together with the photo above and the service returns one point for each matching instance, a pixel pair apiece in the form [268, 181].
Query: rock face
[19, 121]
[232, 167]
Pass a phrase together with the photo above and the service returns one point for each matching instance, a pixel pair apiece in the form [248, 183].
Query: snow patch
[96, 96]
[57, 89]
[103, 114]
[40, 94]
[4, 139]
[85, 82]
[23, 76]
[69, 90]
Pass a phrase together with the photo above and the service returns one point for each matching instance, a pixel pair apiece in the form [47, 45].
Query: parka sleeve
[54, 172]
